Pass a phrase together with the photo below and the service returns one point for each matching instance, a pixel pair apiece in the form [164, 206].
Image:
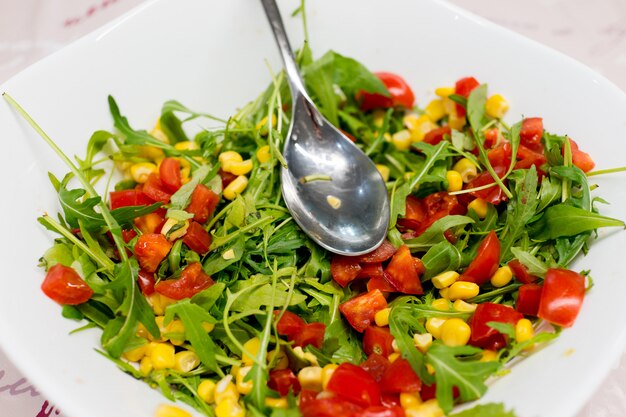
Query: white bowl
[210, 55]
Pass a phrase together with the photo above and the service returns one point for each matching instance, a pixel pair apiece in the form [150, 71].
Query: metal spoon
[332, 189]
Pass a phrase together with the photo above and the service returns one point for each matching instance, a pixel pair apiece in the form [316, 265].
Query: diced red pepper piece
[146, 282]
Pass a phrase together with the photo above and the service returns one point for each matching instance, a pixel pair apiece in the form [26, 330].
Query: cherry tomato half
[377, 340]
[354, 384]
[531, 133]
[169, 172]
[400, 377]
[464, 87]
[562, 296]
[486, 261]
[151, 249]
[401, 94]
[192, 280]
[402, 272]
[63, 285]
[203, 203]
[486, 312]
[289, 325]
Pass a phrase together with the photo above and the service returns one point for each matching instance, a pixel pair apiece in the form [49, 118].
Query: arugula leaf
[433, 153]
[565, 220]
[441, 257]
[180, 199]
[485, 410]
[535, 266]
[504, 328]
[434, 234]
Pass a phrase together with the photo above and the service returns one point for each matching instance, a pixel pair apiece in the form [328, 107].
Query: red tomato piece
[306, 395]
[414, 214]
[377, 340]
[329, 407]
[126, 198]
[493, 194]
[486, 312]
[197, 239]
[382, 411]
[151, 249]
[381, 284]
[562, 296]
[531, 133]
[128, 235]
[192, 280]
[464, 87]
[491, 137]
[227, 177]
[380, 254]
[400, 377]
[156, 190]
[360, 310]
[63, 285]
[282, 381]
[146, 282]
[402, 272]
[344, 269]
[428, 392]
[169, 172]
[376, 365]
[289, 325]
[400, 93]
[437, 135]
[527, 157]
[486, 262]
[520, 272]
[373, 270]
[501, 155]
[149, 223]
[528, 298]
[311, 334]
[581, 159]
[203, 203]
[354, 384]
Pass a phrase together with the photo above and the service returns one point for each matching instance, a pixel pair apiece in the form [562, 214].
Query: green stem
[606, 171]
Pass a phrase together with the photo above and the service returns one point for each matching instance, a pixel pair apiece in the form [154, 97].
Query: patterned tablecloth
[591, 32]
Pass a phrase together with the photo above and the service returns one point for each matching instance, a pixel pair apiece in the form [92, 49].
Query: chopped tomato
[528, 299]
[151, 249]
[373, 270]
[400, 377]
[376, 365]
[437, 135]
[146, 282]
[493, 194]
[377, 340]
[311, 334]
[126, 198]
[380, 254]
[491, 137]
[382, 411]
[501, 155]
[192, 280]
[329, 407]
[520, 272]
[464, 87]
[344, 269]
[156, 190]
[562, 296]
[360, 310]
[227, 177]
[581, 159]
[482, 334]
[149, 223]
[169, 172]
[63, 285]
[283, 380]
[531, 133]
[527, 157]
[197, 239]
[289, 325]
[203, 203]
[306, 395]
[428, 392]
[128, 235]
[402, 272]
[354, 384]
[380, 283]
[486, 262]
[400, 93]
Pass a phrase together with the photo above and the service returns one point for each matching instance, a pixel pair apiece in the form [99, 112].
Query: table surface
[591, 32]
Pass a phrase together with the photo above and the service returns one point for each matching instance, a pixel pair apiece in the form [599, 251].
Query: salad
[205, 288]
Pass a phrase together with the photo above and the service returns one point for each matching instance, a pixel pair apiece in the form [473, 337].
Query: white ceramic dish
[210, 55]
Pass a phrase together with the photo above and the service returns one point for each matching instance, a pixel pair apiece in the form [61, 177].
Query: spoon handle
[293, 74]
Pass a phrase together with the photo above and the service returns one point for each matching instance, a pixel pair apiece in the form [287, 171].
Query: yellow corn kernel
[187, 145]
[430, 369]
[228, 157]
[402, 139]
[378, 117]
[240, 168]
[503, 276]
[135, 355]
[422, 126]
[393, 356]
[410, 121]
[159, 303]
[387, 136]
[455, 332]
[251, 347]
[262, 125]
[145, 366]
[433, 326]
[174, 229]
[449, 106]
[162, 356]
[445, 279]
[276, 402]
[441, 304]
[382, 317]
[208, 327]
[236, 187]
[166, 410]
[278, 359]
[206, 391]
[159, 134]
[524, 331]
[310, 377]
[141, 171]
[327, 373]
[435, 111]
[479, 206]
[423, 341]
[455, 181]
[151, 152]
[496, 106]
[305, 356]
[263, 154]
[243, 387]
[489, 356]
[225, 390]
[444, 92]
[428, 408]
[466, 168]
[443, 293]
[384, 171]
[409, 399]
[229, 408]
[185, 170]
[333, 201]
[460, 305]
[186, 361]
[176, 332]
[462, 290]
[456, 122]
